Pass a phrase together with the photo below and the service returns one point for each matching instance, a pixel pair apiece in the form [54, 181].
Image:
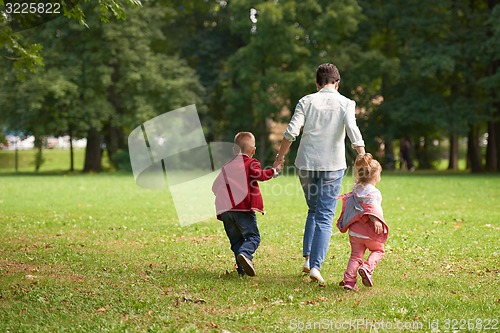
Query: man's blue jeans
[321, 189]
[241, 229]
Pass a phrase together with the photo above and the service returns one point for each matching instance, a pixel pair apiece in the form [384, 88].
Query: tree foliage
[422, 70]
[113, 79]
[26, 55]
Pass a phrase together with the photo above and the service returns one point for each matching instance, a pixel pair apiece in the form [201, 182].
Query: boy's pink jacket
[236, 188]
[356, 213]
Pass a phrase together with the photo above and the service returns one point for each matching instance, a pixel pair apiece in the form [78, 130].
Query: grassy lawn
[54, 160]
[97, 253]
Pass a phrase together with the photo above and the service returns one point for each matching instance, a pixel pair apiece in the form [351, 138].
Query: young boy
[238, 197]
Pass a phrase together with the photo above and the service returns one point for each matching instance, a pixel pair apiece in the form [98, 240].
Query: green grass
[97, 253]
[443, 164]
[54, 160]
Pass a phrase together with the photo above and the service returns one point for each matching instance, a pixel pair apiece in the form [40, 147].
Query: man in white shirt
[325, 117]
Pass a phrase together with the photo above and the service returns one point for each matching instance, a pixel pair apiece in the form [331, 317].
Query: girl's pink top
[357, 206]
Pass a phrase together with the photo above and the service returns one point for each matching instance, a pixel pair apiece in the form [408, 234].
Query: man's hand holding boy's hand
[279, 162]
[279, 166]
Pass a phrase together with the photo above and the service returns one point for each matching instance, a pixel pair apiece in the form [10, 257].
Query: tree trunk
[492, 69]
[71, 154]
[114, 141]
[39, 155]
[423, 154]
[93, 152]
[16, 157]
[390, 160]
[496, 126]
[454, 128]
[453, 154]
[473, 150]
[114, 137]
[263, 139]
[491, 148]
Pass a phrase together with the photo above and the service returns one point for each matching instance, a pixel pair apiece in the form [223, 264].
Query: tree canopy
[424, 71]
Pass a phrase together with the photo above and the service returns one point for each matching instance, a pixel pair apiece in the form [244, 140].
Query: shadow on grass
[288, 282]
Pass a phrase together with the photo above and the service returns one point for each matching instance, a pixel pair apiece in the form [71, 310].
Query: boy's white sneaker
[305, 267]
[315, 275]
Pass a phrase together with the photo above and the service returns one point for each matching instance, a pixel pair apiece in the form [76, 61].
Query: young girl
[362, 215]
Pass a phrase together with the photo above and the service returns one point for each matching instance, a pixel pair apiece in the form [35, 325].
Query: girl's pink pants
[358, 249]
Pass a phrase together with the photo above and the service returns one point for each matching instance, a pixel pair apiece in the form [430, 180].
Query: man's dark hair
[327, 73]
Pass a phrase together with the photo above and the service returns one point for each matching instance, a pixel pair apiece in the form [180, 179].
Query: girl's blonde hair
[366, 168]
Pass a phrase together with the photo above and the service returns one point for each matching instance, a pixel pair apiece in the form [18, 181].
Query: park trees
[436, 72]
[283, 43]
[25, 54]
[260, 71]
[38, 106]
[491, 82]
[121, 81]
[200, 33]
[424, 70]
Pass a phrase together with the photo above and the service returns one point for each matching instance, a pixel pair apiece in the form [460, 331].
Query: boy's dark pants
[241, 229]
